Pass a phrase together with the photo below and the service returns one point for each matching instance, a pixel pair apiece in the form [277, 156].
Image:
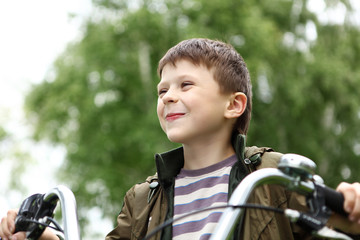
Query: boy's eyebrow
[181, 77]
[159, 84]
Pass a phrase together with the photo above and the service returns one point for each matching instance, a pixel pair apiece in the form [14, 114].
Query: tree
[100, 99]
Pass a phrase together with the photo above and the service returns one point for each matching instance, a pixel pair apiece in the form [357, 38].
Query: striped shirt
[197, 189]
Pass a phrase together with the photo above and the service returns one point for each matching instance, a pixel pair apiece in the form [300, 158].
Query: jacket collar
[169, 164]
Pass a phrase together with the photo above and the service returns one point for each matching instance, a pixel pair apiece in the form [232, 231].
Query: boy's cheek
[159, 109]
[162, 125]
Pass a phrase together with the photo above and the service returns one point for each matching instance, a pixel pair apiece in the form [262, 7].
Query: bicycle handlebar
[68, 210]
[241, 194]
[334, 200]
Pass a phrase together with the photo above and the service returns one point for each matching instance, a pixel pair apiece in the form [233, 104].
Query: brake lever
[27, 210]
[315, 220]
[32, 211]
[317, 204]
[316, 226]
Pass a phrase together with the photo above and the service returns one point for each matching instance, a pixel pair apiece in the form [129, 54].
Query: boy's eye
[185, 84]
[161, 92]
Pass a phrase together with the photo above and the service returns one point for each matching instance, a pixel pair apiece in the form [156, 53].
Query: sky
[32, 34]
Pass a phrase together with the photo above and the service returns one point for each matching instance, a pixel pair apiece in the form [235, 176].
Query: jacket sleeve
[123, 228]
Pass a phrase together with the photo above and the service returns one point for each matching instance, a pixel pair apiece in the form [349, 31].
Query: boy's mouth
[173, 116]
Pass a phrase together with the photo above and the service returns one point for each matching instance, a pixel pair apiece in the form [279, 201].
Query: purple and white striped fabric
[197, 189]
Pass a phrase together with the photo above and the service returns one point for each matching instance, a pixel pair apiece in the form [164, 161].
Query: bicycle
[294, 172]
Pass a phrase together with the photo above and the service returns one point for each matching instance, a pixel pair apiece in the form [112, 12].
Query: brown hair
[228, 67]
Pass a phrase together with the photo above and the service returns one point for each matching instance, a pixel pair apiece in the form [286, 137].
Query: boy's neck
[197, 156]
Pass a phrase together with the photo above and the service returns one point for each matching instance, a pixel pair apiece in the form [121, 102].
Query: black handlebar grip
[20, 224]
[334, 200]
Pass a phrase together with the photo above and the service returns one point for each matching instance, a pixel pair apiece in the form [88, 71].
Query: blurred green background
[100, 99]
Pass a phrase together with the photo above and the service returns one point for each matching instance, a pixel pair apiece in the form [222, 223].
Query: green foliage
[3, 134]
[15, 159]
[101, 103]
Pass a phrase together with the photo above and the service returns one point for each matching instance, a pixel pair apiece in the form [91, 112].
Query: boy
[204, 103]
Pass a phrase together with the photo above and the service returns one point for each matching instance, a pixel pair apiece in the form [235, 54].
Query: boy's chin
[175, 138]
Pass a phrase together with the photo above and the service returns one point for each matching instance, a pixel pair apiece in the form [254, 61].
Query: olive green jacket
[149, 204]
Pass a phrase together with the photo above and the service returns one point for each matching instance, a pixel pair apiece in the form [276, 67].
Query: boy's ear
[236, 105]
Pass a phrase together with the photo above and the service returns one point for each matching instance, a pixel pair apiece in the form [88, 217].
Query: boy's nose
[170, 96]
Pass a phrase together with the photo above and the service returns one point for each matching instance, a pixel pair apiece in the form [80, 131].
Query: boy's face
[190, 105]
